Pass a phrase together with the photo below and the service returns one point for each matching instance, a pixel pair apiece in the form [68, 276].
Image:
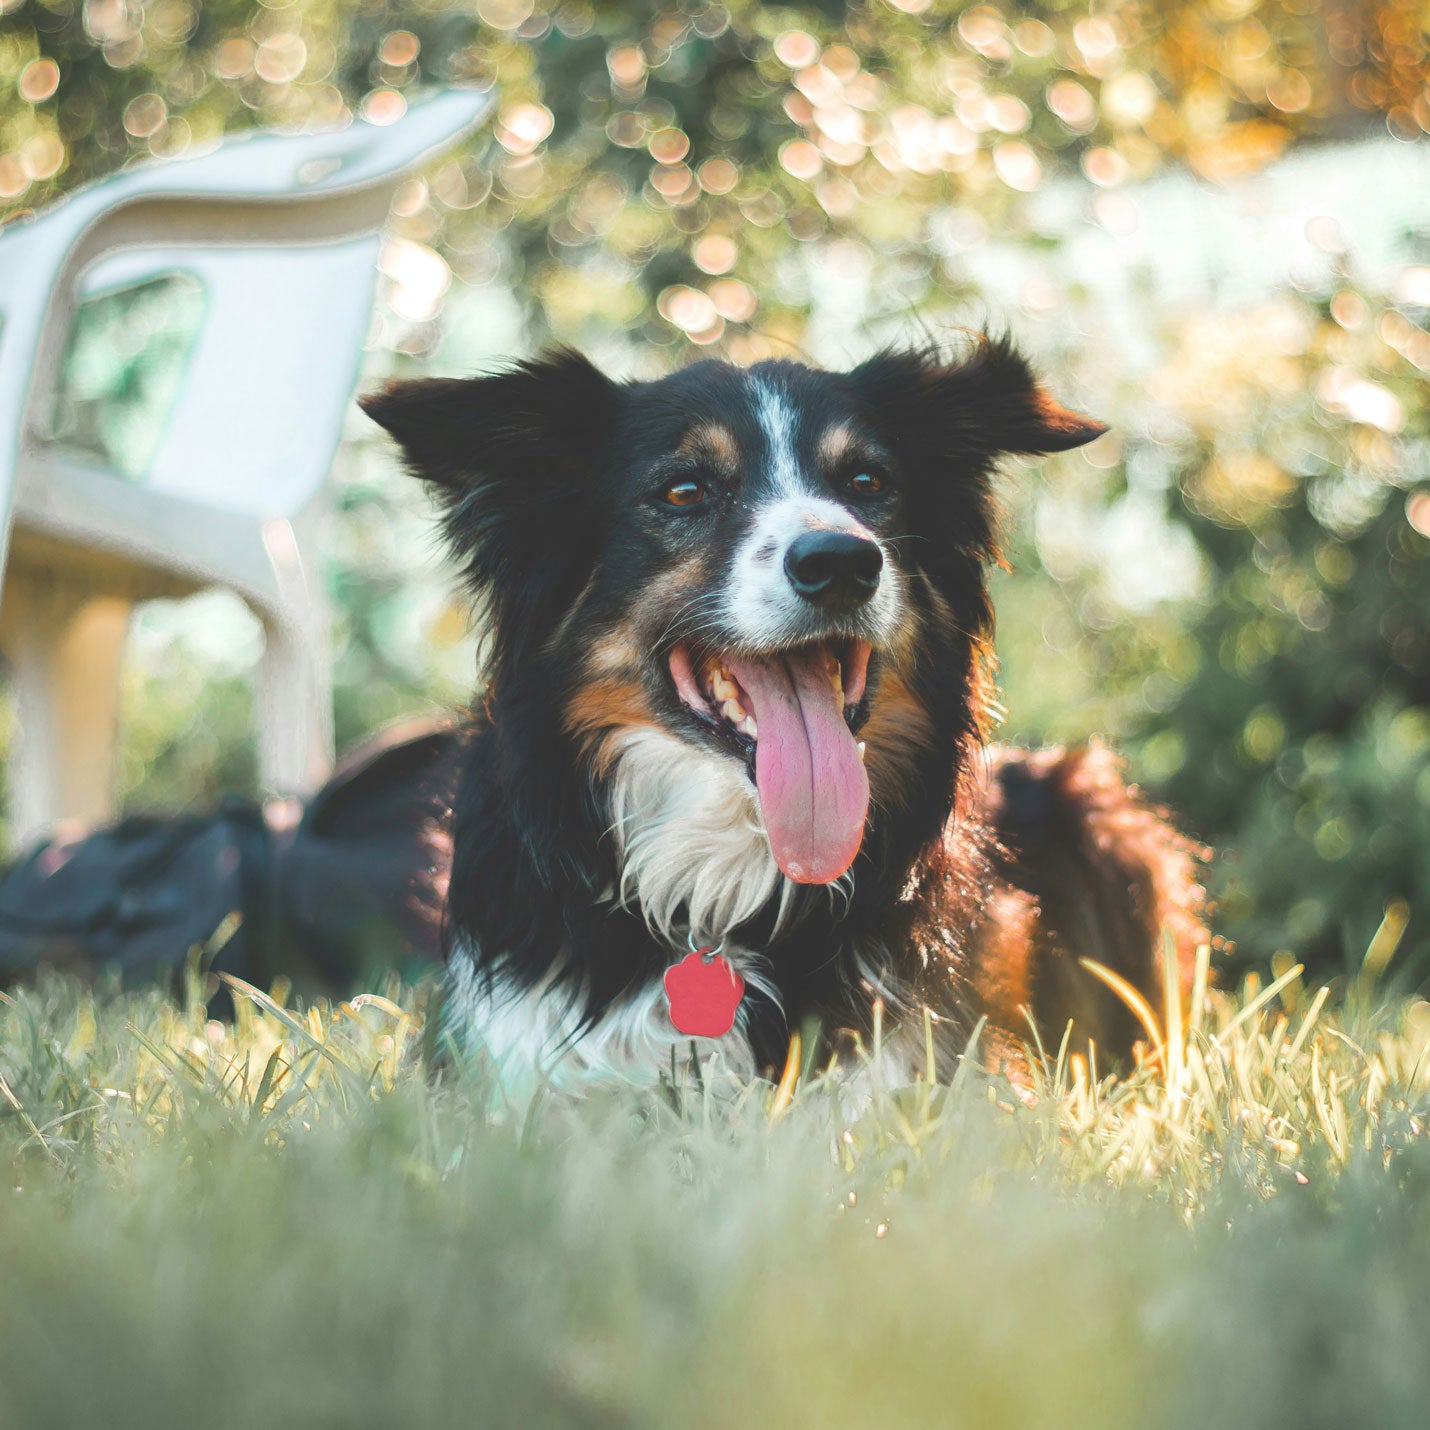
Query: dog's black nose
[834, 568]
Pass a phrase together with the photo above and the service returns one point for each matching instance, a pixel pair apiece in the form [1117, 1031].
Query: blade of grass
[1252, 1008]
[294, 1025]
[29, 1122]
[784, 1092]
[1140, 1007]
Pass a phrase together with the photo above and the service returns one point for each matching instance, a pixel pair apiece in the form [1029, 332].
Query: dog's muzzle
[834, 570]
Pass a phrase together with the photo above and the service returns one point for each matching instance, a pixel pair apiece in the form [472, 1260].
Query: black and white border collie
[738, 692]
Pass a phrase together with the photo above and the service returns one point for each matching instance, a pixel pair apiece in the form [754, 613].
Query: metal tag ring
[707, 952]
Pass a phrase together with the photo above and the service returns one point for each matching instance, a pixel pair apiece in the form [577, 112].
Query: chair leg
[295, 681]
[64, 649]
[295, 709]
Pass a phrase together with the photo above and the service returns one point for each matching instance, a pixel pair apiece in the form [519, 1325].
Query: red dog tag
[703, 995]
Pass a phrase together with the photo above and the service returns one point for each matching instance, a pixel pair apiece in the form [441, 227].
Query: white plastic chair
[282, 232]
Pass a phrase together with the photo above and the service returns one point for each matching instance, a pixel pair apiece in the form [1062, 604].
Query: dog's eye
[866, 484]
[683, 494]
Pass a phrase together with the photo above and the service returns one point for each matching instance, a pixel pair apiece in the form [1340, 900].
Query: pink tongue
[813, 788]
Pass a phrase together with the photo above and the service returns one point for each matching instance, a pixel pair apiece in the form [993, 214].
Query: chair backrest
[277, 195]
[267, 380]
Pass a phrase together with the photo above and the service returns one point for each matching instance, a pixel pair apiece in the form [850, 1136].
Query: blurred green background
[1209, 222]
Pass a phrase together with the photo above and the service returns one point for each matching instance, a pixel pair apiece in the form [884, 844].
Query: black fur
[546, 475]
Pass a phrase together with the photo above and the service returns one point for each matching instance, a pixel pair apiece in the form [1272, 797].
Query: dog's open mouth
[793, 709]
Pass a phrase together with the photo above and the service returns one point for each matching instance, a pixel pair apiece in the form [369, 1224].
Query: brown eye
[865, 484]
[683, 494]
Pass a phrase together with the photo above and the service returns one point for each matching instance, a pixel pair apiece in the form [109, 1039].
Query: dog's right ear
[513, 459]
[463, 432]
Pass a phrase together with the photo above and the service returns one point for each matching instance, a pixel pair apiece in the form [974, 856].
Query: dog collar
[704, 991]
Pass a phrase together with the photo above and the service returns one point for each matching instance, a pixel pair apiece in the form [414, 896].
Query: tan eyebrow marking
[711, 442]
[843, 444]
[835, 443]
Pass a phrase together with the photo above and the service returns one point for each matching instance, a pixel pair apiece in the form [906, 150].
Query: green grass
[288, 1221]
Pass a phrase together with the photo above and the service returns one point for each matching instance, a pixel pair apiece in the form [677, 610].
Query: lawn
[287, 1219]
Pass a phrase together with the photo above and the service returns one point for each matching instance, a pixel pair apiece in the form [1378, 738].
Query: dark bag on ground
[351, 887]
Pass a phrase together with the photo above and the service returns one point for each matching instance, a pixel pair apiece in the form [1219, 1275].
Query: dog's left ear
[967, 412]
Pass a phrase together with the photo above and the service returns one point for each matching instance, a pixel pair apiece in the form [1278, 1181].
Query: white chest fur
[530, 1036]
[693, 850]
[694, 862]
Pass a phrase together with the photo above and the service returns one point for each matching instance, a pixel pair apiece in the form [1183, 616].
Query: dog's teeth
[724, 687]
[861, 749]
[733, 711]
[748, 727]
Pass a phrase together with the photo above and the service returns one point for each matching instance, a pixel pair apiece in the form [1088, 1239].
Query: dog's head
[773, 565]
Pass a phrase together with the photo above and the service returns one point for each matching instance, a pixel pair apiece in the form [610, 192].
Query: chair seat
[147, 540]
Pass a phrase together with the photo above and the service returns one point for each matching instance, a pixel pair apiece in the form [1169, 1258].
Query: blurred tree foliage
[751, 180]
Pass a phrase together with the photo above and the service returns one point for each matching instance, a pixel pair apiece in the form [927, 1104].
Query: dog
[739, 684]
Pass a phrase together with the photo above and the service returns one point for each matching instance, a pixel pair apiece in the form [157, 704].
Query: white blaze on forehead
[776, 417]
[760, 604]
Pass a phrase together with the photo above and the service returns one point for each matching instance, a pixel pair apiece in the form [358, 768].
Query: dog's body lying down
[738, 695]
